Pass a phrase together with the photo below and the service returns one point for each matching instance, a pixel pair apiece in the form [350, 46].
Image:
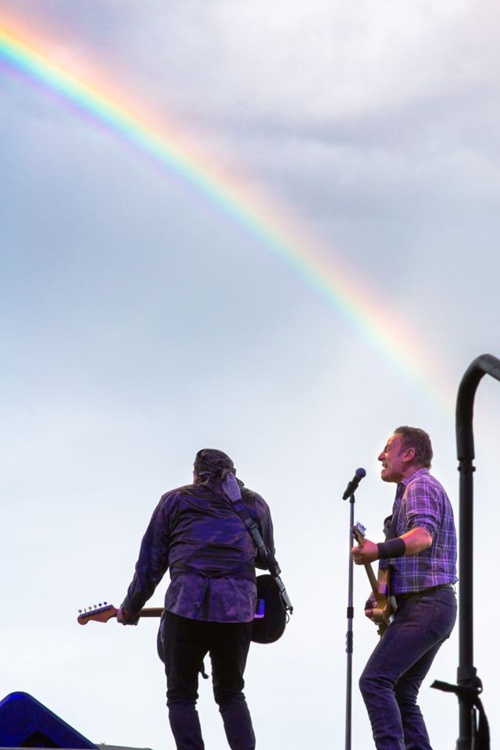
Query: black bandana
[215, 470]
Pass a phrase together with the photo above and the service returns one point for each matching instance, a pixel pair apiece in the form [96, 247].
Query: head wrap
[214, 469]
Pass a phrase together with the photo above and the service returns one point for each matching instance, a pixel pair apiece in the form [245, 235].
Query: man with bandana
[198, 536]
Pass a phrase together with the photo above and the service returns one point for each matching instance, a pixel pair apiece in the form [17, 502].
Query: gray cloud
[140, 322]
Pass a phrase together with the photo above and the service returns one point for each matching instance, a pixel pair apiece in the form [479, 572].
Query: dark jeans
[185, 645]
[394, 673]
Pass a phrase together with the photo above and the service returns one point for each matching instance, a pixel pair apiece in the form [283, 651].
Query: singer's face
[394, 463]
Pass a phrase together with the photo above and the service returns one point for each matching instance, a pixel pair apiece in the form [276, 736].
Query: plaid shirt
[198, 536]
[425, 504]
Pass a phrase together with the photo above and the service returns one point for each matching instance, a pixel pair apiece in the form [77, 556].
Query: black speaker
[24, 722]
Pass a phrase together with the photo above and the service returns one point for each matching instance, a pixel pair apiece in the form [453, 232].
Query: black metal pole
[466, 674]
[349, 636]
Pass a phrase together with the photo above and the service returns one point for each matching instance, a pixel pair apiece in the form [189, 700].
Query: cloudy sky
[299, 255]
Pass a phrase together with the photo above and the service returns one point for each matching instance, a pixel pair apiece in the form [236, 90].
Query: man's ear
[409, 454]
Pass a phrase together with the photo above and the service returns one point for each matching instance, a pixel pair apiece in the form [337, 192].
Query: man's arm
[415, 540]
[150, 567]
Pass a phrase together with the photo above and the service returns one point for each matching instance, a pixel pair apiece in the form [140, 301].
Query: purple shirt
[199, 537]
[424, 503]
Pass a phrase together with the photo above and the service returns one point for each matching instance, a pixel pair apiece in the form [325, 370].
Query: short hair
[414, 437]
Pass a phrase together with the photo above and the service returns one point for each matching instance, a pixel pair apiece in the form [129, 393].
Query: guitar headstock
[359, 533]
[98, 613]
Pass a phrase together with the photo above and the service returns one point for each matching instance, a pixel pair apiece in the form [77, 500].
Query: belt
[403, 597]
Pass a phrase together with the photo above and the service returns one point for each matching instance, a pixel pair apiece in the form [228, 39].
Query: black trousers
[185, 644]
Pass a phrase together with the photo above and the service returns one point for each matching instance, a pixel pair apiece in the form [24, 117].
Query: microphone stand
[349, 636]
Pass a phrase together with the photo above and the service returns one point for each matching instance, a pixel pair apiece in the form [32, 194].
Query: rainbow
[32, 59]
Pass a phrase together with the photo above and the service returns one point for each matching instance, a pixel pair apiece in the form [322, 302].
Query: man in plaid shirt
[420, 554]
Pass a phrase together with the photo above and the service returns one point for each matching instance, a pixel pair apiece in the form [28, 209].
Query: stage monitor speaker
[24, 722]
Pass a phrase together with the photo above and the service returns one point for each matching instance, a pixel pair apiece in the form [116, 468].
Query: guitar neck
[106, 612]
[151, 612]
[146, 612]
[373, 580]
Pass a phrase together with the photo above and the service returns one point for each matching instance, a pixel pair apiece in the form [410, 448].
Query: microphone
[353, 484]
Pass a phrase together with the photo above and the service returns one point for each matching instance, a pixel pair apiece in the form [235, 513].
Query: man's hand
[370, 605]
[365, 554]
[123, 617]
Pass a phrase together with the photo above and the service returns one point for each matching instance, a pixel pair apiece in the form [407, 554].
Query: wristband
[393, 548]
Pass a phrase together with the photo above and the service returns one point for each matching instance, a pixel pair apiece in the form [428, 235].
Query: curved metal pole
[486, 364]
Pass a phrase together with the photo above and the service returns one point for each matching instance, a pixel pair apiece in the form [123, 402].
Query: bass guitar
[104, 612]
[385, 605]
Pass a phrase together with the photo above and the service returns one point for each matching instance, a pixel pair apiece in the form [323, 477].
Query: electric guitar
[104, 612]
[386, 605]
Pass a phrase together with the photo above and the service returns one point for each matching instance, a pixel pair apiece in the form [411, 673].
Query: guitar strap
[265, 553]
[391, 523]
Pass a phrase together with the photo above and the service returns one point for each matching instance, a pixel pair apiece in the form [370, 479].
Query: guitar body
[385, 604]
